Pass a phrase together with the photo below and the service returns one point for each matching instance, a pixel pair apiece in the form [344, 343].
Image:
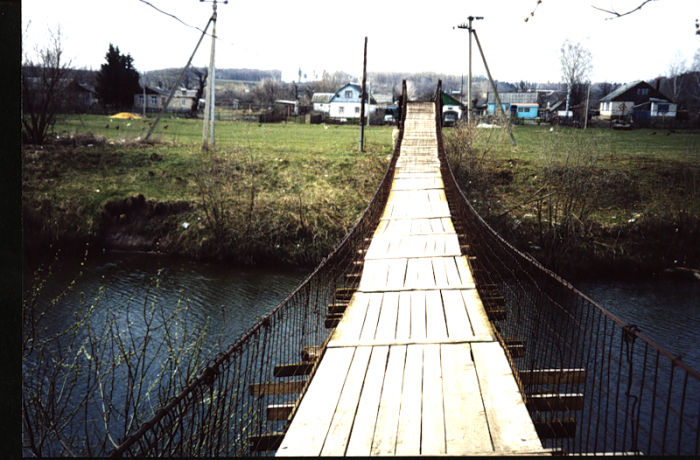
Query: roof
[322, 98]
[359, 90]
[513, 98]
[619, 93]
[448, 100]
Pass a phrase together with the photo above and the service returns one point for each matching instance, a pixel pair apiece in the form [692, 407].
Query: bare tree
[576, 66]
[201, 75]
[43, 87]
[675, 83]
[525, 86]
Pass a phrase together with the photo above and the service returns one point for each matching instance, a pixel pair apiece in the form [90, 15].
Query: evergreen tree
[117, 81]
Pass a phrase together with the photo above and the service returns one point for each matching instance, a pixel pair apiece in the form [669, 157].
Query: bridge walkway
[413, 368]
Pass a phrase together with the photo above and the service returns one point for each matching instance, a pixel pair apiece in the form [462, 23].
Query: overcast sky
[403, 36]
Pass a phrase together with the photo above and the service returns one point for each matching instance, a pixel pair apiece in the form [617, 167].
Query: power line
[173, 16]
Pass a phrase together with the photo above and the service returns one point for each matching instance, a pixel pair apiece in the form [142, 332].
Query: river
[229, 300]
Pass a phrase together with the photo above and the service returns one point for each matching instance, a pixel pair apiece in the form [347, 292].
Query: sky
[403, 36]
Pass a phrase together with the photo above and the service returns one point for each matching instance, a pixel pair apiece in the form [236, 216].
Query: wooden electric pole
[362, 100]
[495, 90]
[469, 78]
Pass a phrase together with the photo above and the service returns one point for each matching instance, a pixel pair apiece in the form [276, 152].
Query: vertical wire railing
[608, 388]
[223, 411]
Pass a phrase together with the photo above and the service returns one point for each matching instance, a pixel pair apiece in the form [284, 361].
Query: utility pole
[208, 140]
[362, 100]
[177, 82]
[469, 78]
[495, 91]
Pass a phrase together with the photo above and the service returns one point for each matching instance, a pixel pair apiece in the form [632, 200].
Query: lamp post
[208, 140]
[469, 78]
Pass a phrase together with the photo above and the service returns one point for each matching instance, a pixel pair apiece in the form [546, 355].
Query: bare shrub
[89, 381]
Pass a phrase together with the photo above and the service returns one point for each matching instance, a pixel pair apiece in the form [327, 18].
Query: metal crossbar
[592, 384]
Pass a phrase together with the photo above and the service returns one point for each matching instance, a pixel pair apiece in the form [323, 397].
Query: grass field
[300, 184]
[586, 197]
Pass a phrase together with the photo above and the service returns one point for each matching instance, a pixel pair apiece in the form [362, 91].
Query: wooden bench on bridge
[413, 366]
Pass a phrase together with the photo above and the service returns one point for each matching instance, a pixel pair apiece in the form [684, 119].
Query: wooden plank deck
[413, 367]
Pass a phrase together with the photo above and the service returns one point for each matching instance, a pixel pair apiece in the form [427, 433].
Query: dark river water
[228, 301]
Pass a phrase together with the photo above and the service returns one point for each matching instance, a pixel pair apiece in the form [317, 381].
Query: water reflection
[665, 310]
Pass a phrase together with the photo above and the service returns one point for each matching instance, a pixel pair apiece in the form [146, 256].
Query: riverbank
[587, 204]
[272, 193]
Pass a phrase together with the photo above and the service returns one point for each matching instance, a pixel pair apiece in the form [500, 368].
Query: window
[521, 109]
[663, 108]
[341, 109]
[348, 94]
[642, 91]
[357, 110]
[154, 100]
[184, 102]
[140, 100]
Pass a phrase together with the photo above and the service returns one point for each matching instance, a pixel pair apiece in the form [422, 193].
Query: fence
[224, 410]
[592, 384]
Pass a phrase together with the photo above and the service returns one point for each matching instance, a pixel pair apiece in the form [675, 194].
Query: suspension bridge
[425, 333]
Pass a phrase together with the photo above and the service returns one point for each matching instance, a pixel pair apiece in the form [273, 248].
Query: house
[384, 100]
[449, 103]
[521, 105]
[80, 97]
[638, 100]
[345, 103]
[321, 101]
[155, 99]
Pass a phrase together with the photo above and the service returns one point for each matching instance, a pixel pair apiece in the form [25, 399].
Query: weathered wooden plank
[408, 437]
[418, 330]
[464, 271]
[553, 376]
[369, 328]
[290, 370]
[453, 278]
[384, 442]
[360, 443]
[265, 442]
[277, 412]
[350, 326]
[477, 316]
[456, 317]
[556, 428]
[409, 341]
[396, 273]
[412, 273]
[553, 402]
[433, 422]
[344, 416]
[426, 278]
[403, 322]
[435, 316]
[509, 421]
[313, 417]
[466, 428]
[386, 327]
[440, 271]
[277, 388]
